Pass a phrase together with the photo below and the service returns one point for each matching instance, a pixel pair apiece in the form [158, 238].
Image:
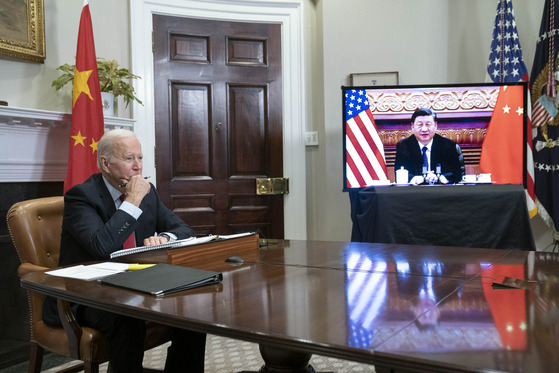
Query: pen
[136, 266]
[125, 184]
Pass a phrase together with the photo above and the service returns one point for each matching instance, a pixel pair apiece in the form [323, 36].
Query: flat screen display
[487, 121]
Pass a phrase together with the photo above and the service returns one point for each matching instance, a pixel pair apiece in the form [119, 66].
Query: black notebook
[162, 279]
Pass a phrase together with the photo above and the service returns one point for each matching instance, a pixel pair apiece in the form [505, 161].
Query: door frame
[288, 13]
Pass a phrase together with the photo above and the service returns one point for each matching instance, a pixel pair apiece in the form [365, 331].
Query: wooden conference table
[401, 308]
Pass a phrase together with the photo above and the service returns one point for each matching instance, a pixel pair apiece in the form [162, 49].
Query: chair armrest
[71, 327]
[26, 267]
[69, 323]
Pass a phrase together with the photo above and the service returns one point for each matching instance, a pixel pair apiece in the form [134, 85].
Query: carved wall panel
[462, 136]
[406, 101]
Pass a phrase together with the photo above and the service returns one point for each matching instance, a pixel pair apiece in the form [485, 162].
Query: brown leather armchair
[35, 227]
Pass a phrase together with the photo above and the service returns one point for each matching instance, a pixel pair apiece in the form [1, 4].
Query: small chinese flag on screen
[500, 153]
[87, 109]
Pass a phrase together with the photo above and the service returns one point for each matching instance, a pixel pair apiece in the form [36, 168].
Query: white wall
[399, 35]
[427, 41]
[470, 35]
[28, 85]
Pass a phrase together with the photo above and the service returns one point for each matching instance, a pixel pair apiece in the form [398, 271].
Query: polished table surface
[402, 308]
[486, 216]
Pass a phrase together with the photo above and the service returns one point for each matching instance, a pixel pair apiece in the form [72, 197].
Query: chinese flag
[508, 306]
[87, 109]
[501, 151]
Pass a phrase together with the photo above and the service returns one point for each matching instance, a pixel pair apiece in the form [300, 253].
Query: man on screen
[428, 157]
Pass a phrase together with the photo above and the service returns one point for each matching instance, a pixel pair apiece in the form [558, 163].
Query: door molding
[288, 13]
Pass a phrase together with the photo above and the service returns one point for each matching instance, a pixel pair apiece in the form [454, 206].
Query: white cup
[469, 178]
[402, 176]
[484, 178]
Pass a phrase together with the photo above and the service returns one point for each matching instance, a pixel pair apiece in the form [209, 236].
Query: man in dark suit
[112, 210]
[427, 156]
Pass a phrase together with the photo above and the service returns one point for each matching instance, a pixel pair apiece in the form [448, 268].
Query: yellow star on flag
[506, 109]
[520, 111]
[80, 85]
[93, 145]
[79, 139]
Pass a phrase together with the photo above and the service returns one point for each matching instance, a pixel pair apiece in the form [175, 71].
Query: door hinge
[155, 156]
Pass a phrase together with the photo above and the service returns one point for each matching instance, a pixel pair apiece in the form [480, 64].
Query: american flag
[365, 162]
[506, 65]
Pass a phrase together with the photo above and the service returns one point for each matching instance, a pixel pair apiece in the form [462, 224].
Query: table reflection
[366, 296]
[430, 306]
[545, 308]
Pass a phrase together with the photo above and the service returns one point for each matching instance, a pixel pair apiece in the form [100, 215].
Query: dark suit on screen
[443, 151]
[92, 229]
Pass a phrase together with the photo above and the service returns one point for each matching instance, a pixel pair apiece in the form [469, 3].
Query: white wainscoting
[34, 143]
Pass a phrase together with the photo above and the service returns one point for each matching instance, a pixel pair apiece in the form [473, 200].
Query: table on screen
[484, 216]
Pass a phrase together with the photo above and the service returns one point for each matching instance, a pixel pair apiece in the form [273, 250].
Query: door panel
[218, 122]
[247, 113]
[190, 104]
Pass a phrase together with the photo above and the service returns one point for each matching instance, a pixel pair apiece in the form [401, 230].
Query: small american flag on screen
[365, 162]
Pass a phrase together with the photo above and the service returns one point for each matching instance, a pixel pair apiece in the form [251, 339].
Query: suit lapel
[416, 154]
[105, 197]
[435, 150]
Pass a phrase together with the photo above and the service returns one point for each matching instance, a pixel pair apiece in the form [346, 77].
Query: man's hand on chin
[136, 189]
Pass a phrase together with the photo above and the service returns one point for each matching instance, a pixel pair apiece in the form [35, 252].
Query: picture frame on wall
[374, 79]
[22, 31]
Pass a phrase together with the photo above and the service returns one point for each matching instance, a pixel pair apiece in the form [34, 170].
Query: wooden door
[218, 122]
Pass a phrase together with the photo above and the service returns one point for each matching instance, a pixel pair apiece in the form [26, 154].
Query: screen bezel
[344, 89]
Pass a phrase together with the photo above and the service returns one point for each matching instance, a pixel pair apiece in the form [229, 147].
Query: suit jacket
[443, 151]
[92, 228]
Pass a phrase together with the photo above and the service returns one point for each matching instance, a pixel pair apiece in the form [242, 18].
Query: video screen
[487, 124]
